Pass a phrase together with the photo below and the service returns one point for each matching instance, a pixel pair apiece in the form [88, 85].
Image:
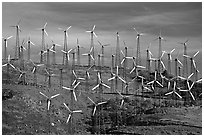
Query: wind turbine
[22, 76]
[123, 98]
[117, 54]
[78, 52]
[124, 62]
[148, 61]
[17, 48]
[48, 78]
[102, 51]
[89, 57]
[65, 42]
[193, 64]
[5, 46]
[34, 70]
[76, 78]
[48, 55]
[71, 112]
[49, 100]
[96, 105]
[116, 77]
[43, 40]
[169, 57]
[8, 64]
[29, 42]
[53, 53]
[177, 61]
[185, 63]
[160, 38]
[135, 65]
[189, 89]
[66, 53]
[154, 82]
[174, 91]
[92, 41]
[100, 83]
[138, 54]
[21, 57]
[72, 90]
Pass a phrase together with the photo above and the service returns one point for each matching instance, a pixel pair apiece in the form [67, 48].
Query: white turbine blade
[95, 87]
[150, 82]
[190, 75]
[44, 95]
[147, 88]
[196, 54]
[122, 101]
[88, 74]
[9, 37]
[91, 100]
[181, 77]
[192, 95]
[20, 76]
[86, 54]
[120, 94]
[66, 88]
[64, 51]
[4, 65]
[95, 34]
[74, 74]
[58, 45]
[122, 53]
[93, 27]
[163, 64]
[99, 43]
[174, 85]
[67, 107]
[184, 90]
[122, 61]
[122, 79]
[99, 77]
[177, 94]
[111, 78]
[40, 65]
[77, 111]
[169, 93]
[88, 31]
[172, 51]
[105, 85]
[92, 57]
[155, 75]
[91, 50]
[94, 111]
[48, 105]
[132, 70]
[69, 51]
[33, 69]
[76, 85]
[52, 51]
[192, 85]
[45, 25]
[68, 118]
[141, 67]
[32, 43]
[102, 103]
[159, 83]
[179, 62]
[68, 27]
[9, 58]
[55, 96]
[12, 66]
[75, 98]
[187, 56]
[45, 32]
[169, 85]
[194, 64]
[199, 80]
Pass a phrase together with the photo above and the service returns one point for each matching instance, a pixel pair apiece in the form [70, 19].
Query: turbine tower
[117, 57]
[5, 46]
[138, 54]
[17, 48]
[148, 61]
[169, 57]
[185, 62]
[53, 53]
[160, 38]
[43, 41]
[92, 42]
[29, 42]
[102, 51]
[65, 43]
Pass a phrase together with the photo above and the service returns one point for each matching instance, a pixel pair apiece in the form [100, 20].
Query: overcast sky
[177, 21]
